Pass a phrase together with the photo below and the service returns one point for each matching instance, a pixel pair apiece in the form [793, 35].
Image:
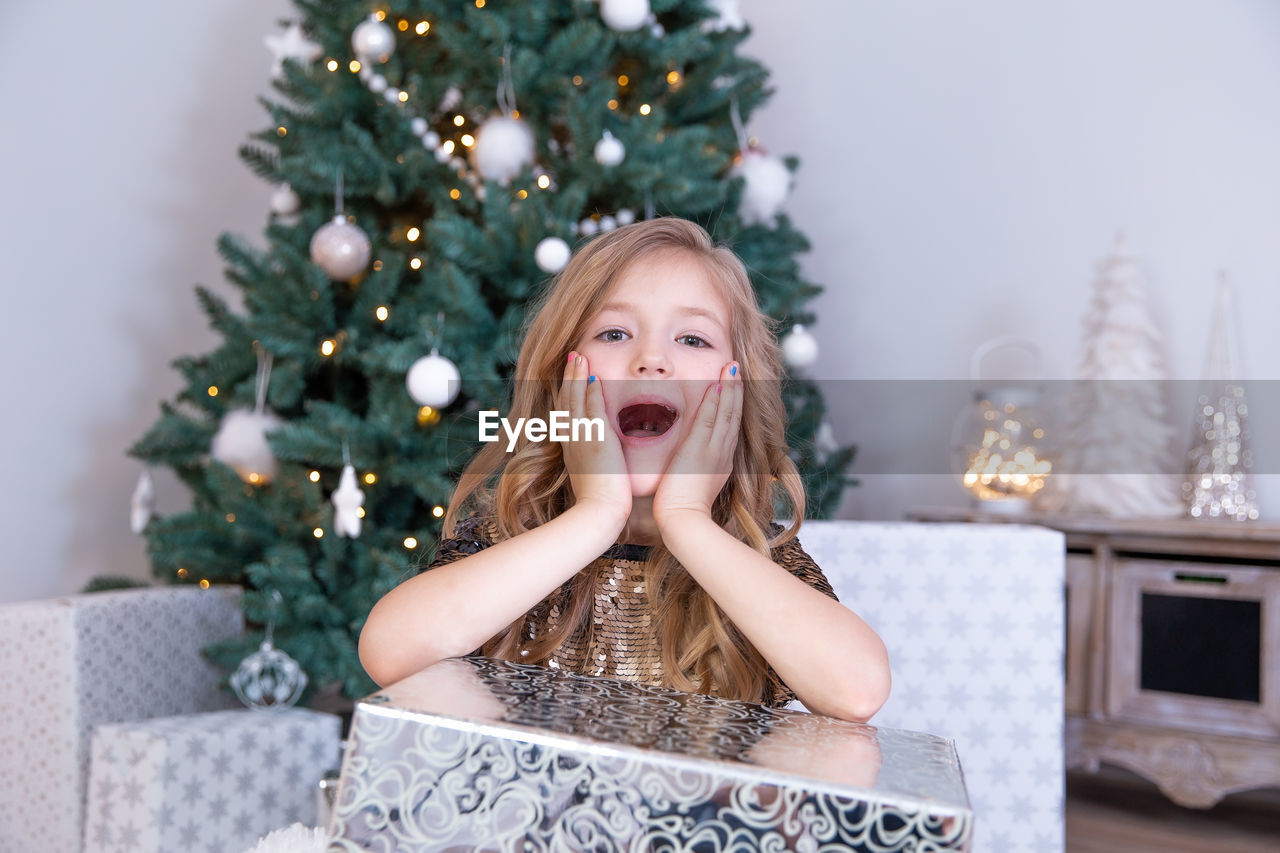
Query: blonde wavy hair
[702, 651]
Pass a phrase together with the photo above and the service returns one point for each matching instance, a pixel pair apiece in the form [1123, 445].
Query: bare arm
[455, 608]
[826, 653]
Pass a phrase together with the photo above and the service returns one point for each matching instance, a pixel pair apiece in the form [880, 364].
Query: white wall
[965, 164]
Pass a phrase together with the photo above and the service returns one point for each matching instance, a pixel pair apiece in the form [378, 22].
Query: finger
[730, 414]
[562, 395]
[707, 410]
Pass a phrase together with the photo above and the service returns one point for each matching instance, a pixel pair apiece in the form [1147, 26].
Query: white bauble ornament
[433, 381]
[768, 181]
[347, 500]
[799, 348]
[503, 147]
[624, 15]
[241, 442]
[377, 84]
[373, 41]
[340, 249]
[625, 216]
[608, 223]
[431, 139]
[609, 150]
[392, 95]
[418, 125]
[588, 227]
[450, 99]
[727, 17]
[143, 503]
[551, 255]
[284, 201]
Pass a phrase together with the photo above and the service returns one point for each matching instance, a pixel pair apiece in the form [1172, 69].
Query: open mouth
[646, 420]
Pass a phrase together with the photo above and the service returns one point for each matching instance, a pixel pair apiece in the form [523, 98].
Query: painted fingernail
[733, 371]
[572, 355]
[717, 389]
[590, 380]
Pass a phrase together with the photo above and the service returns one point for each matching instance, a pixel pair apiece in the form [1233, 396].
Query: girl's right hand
[597, 469]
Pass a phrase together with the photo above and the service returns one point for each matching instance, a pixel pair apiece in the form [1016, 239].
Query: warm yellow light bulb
[543, 181]
[204, 583]
[182, 573]
[479, 4]
[410, 542]
[468, 140]
[255, 477]
[413, 234]
[577, 79]
[231, 518]
[447, 146]
[523, 194]
[213, 390]
[381, 313]
[281, 131]
[328, 347]
[314, 476]
[422, 27]
[613, 103]
[455, 193]
[645, 109]
[354, 66]
[332, 65]
[360, 512]
[437, 511]
[416, 263]
[380, 15]
[403, 25]
[371, 478]
[459, 120]
[403, 97]
[318, 533]
[673, 77]
[623, 79]
[377, 265]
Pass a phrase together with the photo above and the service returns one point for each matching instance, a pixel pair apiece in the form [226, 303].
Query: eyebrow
[686, 310]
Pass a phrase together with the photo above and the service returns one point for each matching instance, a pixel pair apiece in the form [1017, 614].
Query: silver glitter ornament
[269, 679]
[341, 249]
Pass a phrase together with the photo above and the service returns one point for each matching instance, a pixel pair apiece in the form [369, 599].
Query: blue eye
[606, 335]
[698, 342]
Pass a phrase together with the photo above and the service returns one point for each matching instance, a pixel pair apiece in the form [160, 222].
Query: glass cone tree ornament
[1218, 462]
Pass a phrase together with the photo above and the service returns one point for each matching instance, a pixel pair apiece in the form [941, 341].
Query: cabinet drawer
[1195, 645]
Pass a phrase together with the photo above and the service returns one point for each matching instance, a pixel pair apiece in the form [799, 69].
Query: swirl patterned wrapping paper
[480, 754]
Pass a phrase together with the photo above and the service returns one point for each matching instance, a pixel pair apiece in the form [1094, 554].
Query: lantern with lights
[999, 447]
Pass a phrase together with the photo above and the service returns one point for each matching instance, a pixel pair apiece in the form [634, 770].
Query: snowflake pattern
[973, 617]
[183, 783]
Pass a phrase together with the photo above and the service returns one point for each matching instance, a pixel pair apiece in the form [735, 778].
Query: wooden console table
[1173, 648]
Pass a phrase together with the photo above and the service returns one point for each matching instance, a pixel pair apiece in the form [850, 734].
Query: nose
[650, 361]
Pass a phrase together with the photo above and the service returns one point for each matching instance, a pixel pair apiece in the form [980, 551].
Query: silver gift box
[481, 754]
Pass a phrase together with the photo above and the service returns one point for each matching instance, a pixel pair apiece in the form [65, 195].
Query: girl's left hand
[702, 464]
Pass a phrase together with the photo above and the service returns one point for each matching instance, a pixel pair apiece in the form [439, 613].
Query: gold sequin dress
[620, 643]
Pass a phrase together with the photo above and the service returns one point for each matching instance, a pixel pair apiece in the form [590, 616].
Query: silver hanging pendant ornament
[269, 679]
[143, 504]
[339, 247]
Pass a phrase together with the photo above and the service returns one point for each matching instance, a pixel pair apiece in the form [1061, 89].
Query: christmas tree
[434, 161]
[1118, 431]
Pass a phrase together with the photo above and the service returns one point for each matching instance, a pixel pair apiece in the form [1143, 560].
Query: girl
[649, 555]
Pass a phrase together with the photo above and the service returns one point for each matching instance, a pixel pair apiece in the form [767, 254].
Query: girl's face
[659, 341]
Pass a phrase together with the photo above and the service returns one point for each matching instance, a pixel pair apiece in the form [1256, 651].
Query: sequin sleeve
[793, 558]
[470, 536]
